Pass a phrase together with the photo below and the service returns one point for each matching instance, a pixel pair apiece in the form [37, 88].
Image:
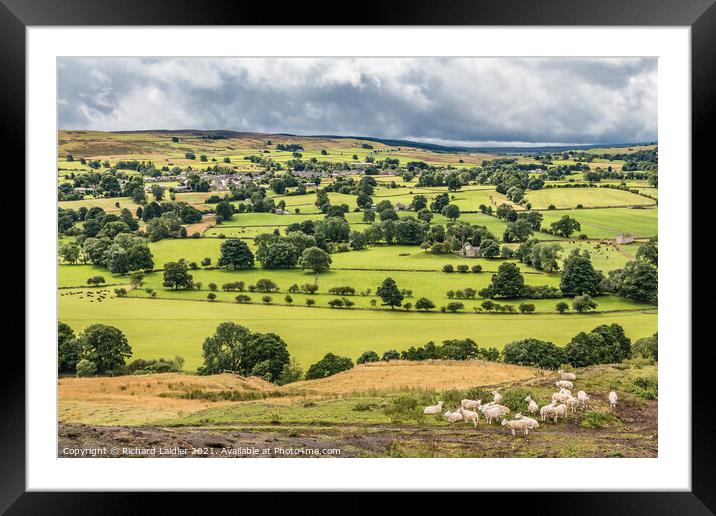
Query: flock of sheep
[562, 401]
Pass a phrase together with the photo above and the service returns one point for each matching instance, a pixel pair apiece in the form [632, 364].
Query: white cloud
[431, 99]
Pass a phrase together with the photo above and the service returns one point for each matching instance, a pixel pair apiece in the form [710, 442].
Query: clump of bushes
[405, 407]
[594, 419]
[515, 399]
[160, 365]
[647, 347]
[329, 365]
[368, 356]
[534, 352]
[342, 291]
[646, 387]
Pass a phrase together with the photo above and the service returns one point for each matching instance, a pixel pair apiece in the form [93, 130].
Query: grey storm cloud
[463, 101]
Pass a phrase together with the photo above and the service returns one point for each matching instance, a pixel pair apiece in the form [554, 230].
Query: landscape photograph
[357, 257]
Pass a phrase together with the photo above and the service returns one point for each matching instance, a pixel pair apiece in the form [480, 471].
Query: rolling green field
[587, 197]
[177, 322]
[609, 222]
[165, 328]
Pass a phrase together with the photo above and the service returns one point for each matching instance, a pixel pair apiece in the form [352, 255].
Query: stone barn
[624, 238]
[471, 251]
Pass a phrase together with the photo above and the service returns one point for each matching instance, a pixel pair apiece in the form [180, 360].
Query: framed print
[402, 255]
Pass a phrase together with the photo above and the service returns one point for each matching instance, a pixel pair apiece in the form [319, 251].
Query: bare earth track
[638, 437]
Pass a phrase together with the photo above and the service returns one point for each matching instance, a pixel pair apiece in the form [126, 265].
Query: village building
[471, 251]
[624, 238]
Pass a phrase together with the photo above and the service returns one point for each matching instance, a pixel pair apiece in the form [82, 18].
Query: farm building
[624, 238]
[471, 251]
[401, 207]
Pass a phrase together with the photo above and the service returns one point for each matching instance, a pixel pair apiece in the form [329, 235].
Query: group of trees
[99, 349]
[454, 349]
[235, 348]
[275, 252]
[602, 345]
[122, 254]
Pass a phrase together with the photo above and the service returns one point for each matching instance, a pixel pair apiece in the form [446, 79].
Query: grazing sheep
[503, 410]
[583, 398]
[546, 411]
[572, 403]
[470, 404]
[453, 417]
[469, 415]
[560, 396]
[496, 397]
[531, 405]
[613, 399]
[491, 412]
[564, 384]
[434, 409]
[530, 424]
[566, 376]
[519, 424]
[560, 410]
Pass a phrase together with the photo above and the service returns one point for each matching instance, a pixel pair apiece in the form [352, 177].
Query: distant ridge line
[398, 142]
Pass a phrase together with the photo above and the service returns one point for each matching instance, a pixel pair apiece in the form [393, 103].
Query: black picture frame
[700, 15]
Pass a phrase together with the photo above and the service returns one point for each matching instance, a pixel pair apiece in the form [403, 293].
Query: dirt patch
[207, 221]
[635, 437]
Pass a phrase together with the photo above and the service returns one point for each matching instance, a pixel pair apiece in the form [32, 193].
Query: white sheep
[470, 415]
[531, 405]
[560, 410]
[547, 411]
[560, 396]
[564, 384]
[583, 398]
[470, 404]
[613, 399]
[491, 412]
[518, 424]
[453, 417]
[434, 409]
[572, 403]
[496, 397]
[530, 424]
[566, 376]
[503, 410]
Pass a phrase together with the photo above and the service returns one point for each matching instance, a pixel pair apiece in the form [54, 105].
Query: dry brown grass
[138, 399]
[145, 399]
[401, 374]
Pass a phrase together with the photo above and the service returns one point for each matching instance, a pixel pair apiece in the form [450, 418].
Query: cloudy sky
[461, 101]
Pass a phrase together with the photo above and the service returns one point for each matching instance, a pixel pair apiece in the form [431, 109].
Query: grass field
[608, 223]
[372, 410]
[162, 328]
[587, 197]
